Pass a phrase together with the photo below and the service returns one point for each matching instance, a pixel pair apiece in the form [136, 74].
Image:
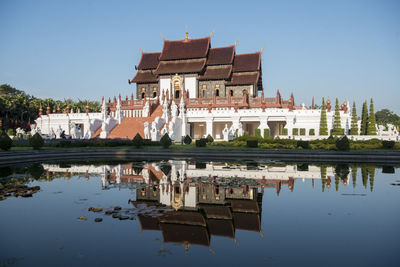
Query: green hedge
[165, 141]
[137, 141]
[201, 142]
[252, 143]
[187, 140]
[388, 144]
[5, 141]
[303, 144]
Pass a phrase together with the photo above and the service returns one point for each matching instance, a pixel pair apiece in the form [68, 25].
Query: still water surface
[200, 213]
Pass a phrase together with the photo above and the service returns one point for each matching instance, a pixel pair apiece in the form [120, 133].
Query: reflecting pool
[199, 213]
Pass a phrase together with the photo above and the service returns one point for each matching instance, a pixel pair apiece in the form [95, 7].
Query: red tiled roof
[221, 55]
[144, 76]
[243, 78]
[185, 49]
[217, 73]
[247, 62]
[148, 61]
[180, 66]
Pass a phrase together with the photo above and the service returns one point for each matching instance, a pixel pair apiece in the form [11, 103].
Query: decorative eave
[244, 78]
[181, 66]
[144, 76]
[216, 73]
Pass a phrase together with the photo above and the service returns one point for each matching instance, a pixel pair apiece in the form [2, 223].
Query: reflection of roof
[181, 66]
[178, 217]
[217, 212]
[221, 55]
[185, 234]
[221, 227]
[247, 221]
[148, 61]
[247, 206]
[185, 49]
[149, 222]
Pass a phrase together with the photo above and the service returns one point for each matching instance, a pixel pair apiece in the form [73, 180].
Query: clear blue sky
[87, 49]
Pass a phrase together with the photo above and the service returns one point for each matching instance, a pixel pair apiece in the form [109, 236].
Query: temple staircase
[130, 126]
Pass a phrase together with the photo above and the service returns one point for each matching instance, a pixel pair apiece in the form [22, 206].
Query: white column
[209, 127]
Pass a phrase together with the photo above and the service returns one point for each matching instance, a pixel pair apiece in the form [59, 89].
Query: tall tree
[337, 125]
[364, 119]
[323, 125]
[354, 120]
[385, 116]
[371, 126]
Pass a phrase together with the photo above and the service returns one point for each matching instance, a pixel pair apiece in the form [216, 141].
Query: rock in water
[117, 208]
[82, 218]
[98, 219]
[123, 217]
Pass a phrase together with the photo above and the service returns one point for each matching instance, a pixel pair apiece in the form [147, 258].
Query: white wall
[190, 85]
[165, 84]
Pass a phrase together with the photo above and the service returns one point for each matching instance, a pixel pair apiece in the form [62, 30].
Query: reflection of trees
[364, 175]
[354, 175]
[341, 172]
[371, 172]
[323, 177]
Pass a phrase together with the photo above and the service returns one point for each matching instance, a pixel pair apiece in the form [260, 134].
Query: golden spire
[236, 42]
[140, 49]
[262, 49]
[212, 33]
[162, 37]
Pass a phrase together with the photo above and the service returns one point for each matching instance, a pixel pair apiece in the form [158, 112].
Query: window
[177, 94]
[217, 92]
[204, 93]
[154, 94]
[143, 95]
[231, 91]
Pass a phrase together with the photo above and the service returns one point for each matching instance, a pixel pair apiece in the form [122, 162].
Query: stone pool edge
[386, 158]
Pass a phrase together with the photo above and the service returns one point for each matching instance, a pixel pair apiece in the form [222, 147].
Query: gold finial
[141, 51]
[162, 37]
[262, 49]
[186, 35]
[211, 33]
[236, 42]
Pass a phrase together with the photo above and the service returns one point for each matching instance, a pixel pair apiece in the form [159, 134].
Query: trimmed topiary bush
[137, 141]
[11, 131]
[303, 144]
[252, 143]
[210, 139]
[302, 131]
[295, 131]
[388, 144]
[36, 141]
[201, 142]
[257, 132]
[187, 140]
[343, 143]
[5, 142]
[165, 141]
[266, 133]
[311, 132]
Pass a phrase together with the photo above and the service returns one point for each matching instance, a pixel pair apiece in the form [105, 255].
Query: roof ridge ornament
[162, 36]
[262, 49]
[236, 42]
[141, 51]
[212, 32]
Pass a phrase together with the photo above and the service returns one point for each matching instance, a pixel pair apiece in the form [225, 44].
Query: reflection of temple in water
[200, 200]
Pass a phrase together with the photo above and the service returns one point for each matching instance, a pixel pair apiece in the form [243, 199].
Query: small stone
[108, 212]
[116, 215]
[117, 208]
[82, 218]
[27, 195]
[2, 198]
[98, 219]
[123, 217]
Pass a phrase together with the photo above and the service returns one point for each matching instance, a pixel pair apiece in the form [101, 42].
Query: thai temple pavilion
[191, 88]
